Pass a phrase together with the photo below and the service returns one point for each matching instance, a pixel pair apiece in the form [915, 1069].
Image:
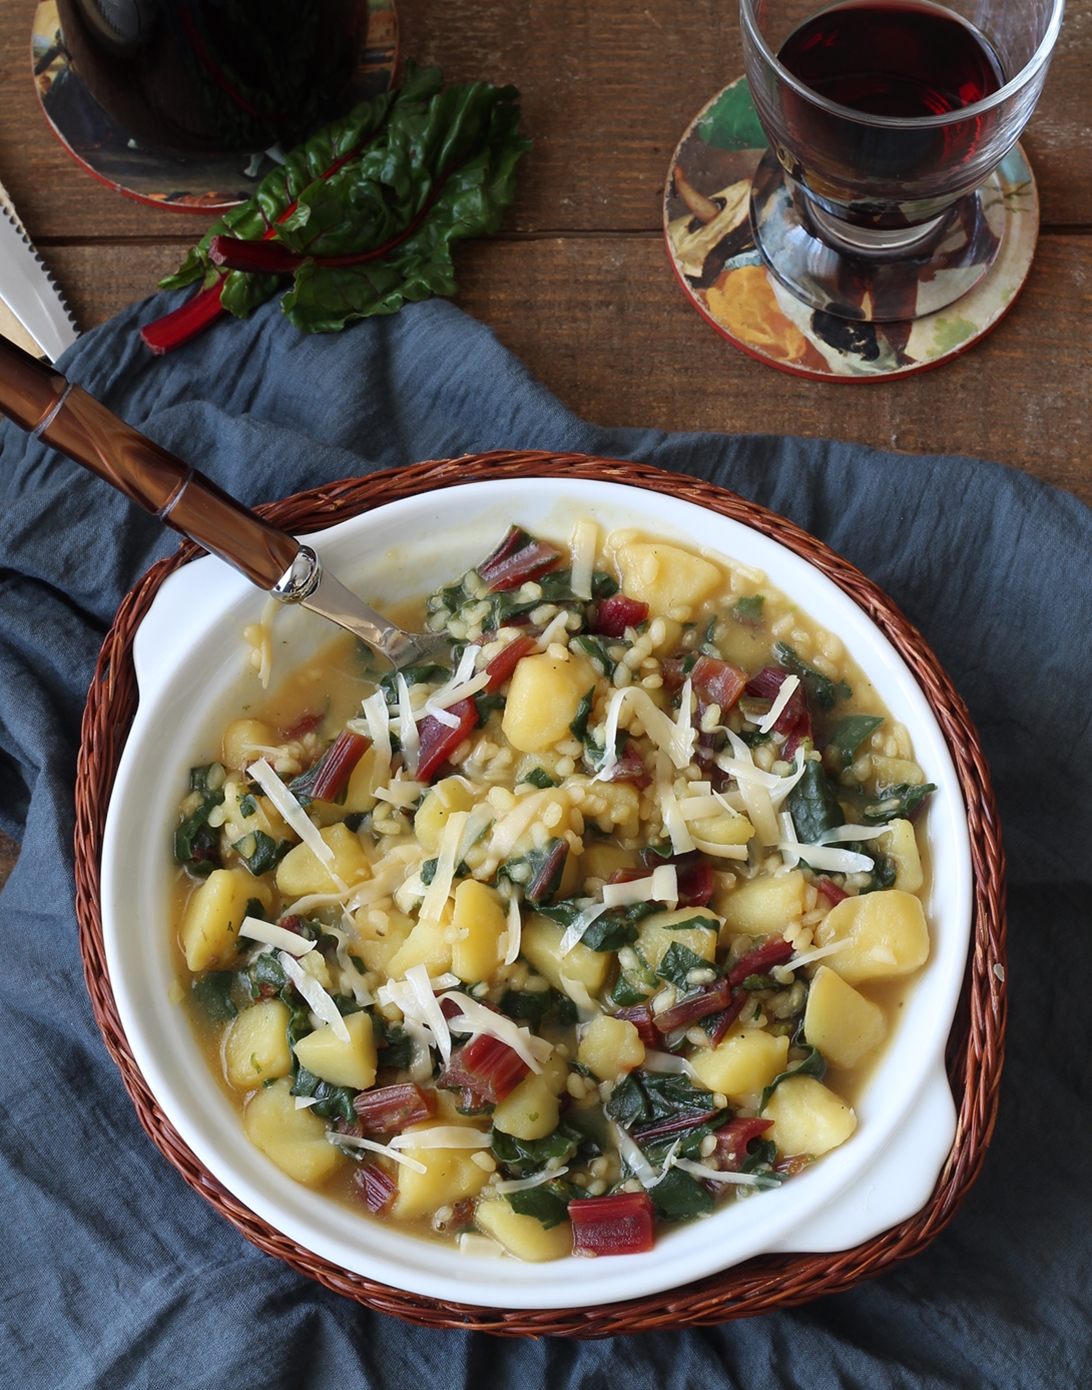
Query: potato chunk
[341, 1063]
[451, 1175]
[300, 871]
[762, 905]
[256, 1045]
[543, 698]
[452, 794]
[743, 1064]
[664, 576]
[657, 933]
[808, 1118]
[525, 1237]
[886, 932]
[900, 844]
[841, 1023]
[539, 943]
[383, 933]
[243, 742]
[528, 1112]
[479, 921]
[294, 1139]
[611, 1047]
[213, 916]
[427, 945]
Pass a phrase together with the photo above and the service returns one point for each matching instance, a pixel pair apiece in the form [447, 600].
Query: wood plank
[600, 320]
[607, 92]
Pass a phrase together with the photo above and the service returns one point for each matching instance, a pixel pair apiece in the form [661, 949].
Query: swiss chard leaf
[899, 803]
[678, 1196]
[331, 1102]
[595, 649]
[814, 1064]
[821, 690]
[527, 1005]
[539, 777]
[404, 175]
[414, 675]
[526, 1156]
[644, 1098]
[196, 844]
[748, 611]
[213, 992]
[611, 930]
[579, 727]
[847, 734]
[679, 961]
[813, 806]
[543, 1203]
[260, 852]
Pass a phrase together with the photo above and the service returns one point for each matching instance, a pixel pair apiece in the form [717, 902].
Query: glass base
[864, 284]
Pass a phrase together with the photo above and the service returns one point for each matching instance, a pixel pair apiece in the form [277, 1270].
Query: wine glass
[886, 121]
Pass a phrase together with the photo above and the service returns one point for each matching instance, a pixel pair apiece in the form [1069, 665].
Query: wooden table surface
[577, 283]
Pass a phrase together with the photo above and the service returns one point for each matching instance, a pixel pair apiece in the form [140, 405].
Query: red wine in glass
[902, 59]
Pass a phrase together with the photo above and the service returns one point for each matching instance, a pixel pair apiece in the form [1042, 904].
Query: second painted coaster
[707, 227]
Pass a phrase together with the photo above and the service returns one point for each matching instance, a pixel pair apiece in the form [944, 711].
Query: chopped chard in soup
[598, 929]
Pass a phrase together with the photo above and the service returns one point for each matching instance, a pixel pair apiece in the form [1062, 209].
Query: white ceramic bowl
[193, 677]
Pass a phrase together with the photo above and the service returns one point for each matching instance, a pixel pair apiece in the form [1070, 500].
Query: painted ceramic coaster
[110, 150]
[707, 227]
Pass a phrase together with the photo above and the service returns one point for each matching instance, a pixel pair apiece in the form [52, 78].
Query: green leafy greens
[398, 181]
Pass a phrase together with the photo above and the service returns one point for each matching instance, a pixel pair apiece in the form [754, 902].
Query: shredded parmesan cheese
[515, 926]
[676, 738]
[296, 817]
[350, 1141]
[407, 726]
[660, 887]
[784, 695]
[699, 1170]
[379, 731]
[582, 547]
[574, 932]
[256, 930]
[476, 1018]
[316, 997]
[436, 895]
[430, 1012]
[443, 1137]
[525, 1184]
[682, 842]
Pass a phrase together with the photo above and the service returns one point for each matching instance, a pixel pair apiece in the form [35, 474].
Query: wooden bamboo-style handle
[64, 416]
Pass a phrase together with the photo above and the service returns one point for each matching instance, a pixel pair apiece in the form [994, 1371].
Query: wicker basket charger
[761, 1284]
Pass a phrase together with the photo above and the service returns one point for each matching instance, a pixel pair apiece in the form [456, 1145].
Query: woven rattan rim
[975, 1047]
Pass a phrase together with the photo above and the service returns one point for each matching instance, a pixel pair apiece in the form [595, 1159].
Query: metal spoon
[41, 401]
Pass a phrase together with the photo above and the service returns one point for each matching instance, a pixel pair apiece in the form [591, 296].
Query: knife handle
[65, 417]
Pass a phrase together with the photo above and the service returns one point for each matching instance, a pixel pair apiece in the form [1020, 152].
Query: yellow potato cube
[894, 772]
[555, 1069]
[479, 920]
[602, 860]
[256, 1045]
[762, 905]
[841, 1023]
[427, 945]
[657, 932]
[525, 1237]
[539, 943]
[451, 1176]
[543, 699]
[243, 742]
[886, 933]
[213, 916]
[528, 1112]
[743, 1065]
[300, 871]
[900, 844]
[341, 1063]
[294, 1139]
[360, 791]
[382, 935]
[611, 1048]
[663, 575]
[452, 794]
[723, 830]
[808, 1118]
[622, 814]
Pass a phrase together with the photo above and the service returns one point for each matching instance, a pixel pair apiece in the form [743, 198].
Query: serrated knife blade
[28, 290]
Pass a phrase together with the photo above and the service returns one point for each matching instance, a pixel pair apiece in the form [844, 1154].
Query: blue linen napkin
[115, 1274]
